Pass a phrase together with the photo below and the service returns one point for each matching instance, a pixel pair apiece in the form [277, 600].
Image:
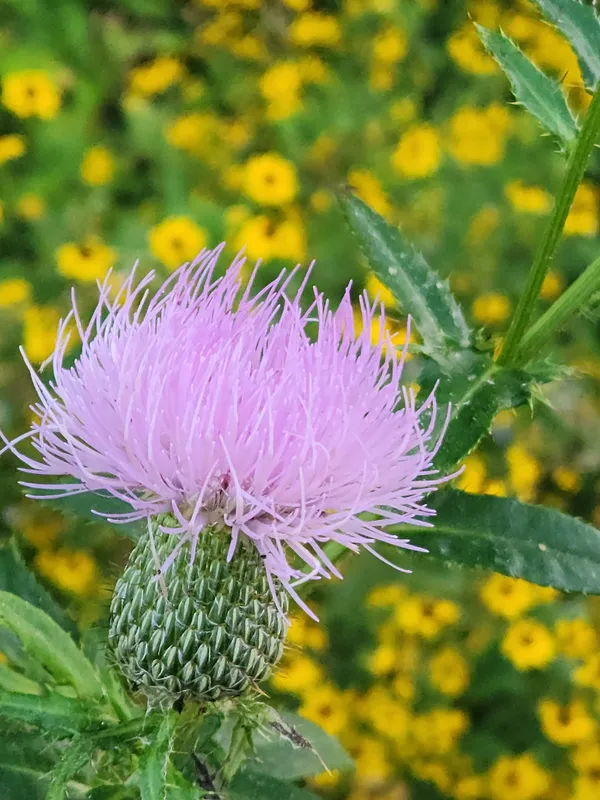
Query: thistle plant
[251, 438]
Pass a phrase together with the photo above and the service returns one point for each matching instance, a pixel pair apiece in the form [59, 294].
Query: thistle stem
[547, 245]
[575, 297]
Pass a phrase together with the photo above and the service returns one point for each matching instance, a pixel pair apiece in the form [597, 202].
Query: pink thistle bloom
[217, 407]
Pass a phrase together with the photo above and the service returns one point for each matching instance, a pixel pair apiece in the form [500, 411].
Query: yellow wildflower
[438, 731]
[528, 199]
[583, 216]
[369, 189]
[155, 77]
[478, 135]
[474, 474]
[11, 146]
[42, 532]
[418, 153]
[31, 206]
[304, 633]
[327, 706]
[508, 597]
[382, 596]
[72, 571]
[321, 201]
[371, 761]
[270, 180]
[588, 674]
[482, 226]
[377, 289]
[552, 286]
[88, 261]
[524, 471]
[39, 333]
[471, 787]
[313, 29]
[449, 672]
[98, 166]
[577, 638]
[14, 292]
[390, 46]
[491, 308]
[567, 479]
[466, 50]
[176, 240]
[517, 777]
[566, 725]
[297, 674]
[31, 93]
[528, 645]
[280, 85]
[426, 617]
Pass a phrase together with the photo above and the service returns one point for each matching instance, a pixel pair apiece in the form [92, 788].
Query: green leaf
[581, 26]
[25, 760]
[254, 785]
[279, 758]
[540, 94]
[541, 545]
[16, 578]
[477, 389]
[416, 286]
[15, 682]
[84, 505]
[155, 761]
[46, 641]
[75, 757]
[52, 712]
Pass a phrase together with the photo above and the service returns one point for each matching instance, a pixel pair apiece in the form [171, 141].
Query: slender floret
[216, 406]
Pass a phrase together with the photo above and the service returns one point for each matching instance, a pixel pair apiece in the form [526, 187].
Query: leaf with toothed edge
[541, 95]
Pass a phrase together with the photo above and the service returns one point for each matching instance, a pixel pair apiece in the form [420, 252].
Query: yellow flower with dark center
[270, 180]
[529, 645]
[449, 672]
[155, 77]
[176, 240]
[507, 597]
[491, 308]
[517, 778]
[73, 571]
[280, 85]
[418, 154]
[197, 133]
[577, 638]
[88, 261]
[31, 206]
[14, 292]
[588, 674]
[31, 93]
[98, 166]
[11, 146]
[566, 725]
[39, 332]
[313, 29]
[437, 732]
[528, 199]
[327, 706]
[424, 616]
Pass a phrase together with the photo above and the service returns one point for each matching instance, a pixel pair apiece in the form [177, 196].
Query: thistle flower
[215, 406]
[246, 443]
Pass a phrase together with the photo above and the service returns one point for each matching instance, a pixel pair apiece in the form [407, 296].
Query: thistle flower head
[218, 407]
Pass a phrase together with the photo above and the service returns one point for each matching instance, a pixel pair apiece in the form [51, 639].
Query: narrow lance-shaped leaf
[417, 287]
[540, 94]
[46, 641]
[51, 711]
[538, 544]
[581, 26]
[75, 757]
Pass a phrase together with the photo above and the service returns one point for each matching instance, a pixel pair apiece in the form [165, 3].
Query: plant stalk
[575, 170]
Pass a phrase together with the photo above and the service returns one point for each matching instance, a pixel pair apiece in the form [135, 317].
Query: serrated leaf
[16, 578]
[477, 390]
[25, 760]
[255, 785]
[48, 643]
[51, 711]
[417, 287]
[75, 757]
[540, 545]
[13, 650]
[580, 25]
[279, 758]
[155, 761]
[13, 681]
[541, 95]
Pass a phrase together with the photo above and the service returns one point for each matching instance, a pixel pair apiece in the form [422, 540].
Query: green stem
[575, 169]
[575, 298]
